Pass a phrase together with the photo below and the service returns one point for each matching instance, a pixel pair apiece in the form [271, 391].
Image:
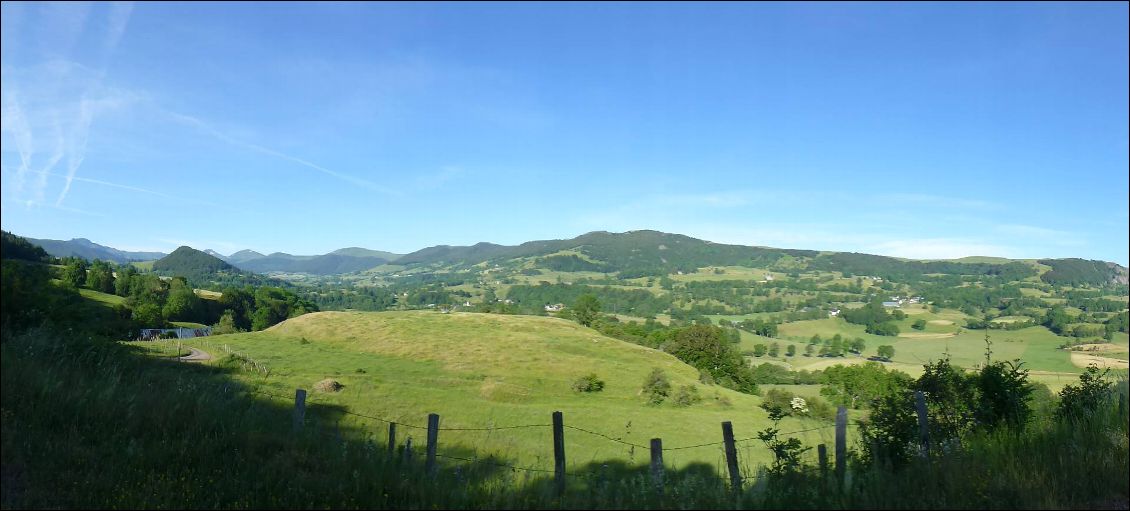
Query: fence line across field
[575, 428]
[558, 426]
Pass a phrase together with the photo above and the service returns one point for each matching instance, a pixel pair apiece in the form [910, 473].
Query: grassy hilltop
[487, 370]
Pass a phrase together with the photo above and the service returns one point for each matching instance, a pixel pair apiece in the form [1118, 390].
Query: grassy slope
[479, 370]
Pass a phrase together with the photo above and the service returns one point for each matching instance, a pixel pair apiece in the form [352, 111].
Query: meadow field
[496, 371]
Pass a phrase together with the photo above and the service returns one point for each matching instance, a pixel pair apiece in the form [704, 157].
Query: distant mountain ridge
[86, 249]
[343, 260]
[628, 254]
[329, 264]
[206, 271]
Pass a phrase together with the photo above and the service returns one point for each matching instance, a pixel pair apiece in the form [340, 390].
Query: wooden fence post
[731, 456]
[299, 409]
[559, 452]
[657, 464]
[822, 456]
[391, 439]
[923, 424]
[841, 444]
[433, 437]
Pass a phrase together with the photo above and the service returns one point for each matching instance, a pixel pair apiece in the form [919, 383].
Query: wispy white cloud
[57, 100]
[207, 128]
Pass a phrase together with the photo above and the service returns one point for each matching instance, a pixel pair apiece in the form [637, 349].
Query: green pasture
[102, 298]
[484, 370]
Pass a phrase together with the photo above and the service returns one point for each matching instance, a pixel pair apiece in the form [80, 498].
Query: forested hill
[1075, 271]
[633, 253]
[206, 271]
[652, 253]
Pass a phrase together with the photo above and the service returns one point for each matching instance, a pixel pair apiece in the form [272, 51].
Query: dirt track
[195, 355]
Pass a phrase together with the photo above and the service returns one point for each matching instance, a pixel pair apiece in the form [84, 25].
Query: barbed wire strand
[602, 435]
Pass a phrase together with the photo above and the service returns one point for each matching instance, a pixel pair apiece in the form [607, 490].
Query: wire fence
[491, 462]
[255, 366]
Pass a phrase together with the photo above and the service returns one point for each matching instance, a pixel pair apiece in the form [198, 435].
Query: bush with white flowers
[799, 405]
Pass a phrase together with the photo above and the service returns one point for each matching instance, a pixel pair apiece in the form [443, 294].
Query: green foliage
[570, 263]
[759, 350]
[620, 301]
[686, 395]
[1074, 272]
[656, 386]
[790, 351]
[890, 433]
[785, 401]
[181, 303]
[226, 324]
[857, 385]
[585, 309]
[775, 374]
[18, 247]
[705, 348]
[885, 352]
[786, 453]
[997, 397]
[890, 268]
[874, 316]
[1118, 323]
[1005, 395]
[588, 383]
[951, 397]
[30, 298]
[886, 329]
[74, 273]
[1080, 402]
[148, 315]
[101, 277]
[1058, 320]
[919, 324]
[205, 271]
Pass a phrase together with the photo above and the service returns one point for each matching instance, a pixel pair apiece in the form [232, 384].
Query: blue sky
[913, 130]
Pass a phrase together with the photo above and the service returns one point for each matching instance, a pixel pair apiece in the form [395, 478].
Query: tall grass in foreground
[89, 423]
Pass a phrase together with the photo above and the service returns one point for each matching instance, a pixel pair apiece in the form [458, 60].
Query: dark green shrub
[656, 386]
[1077, 402]
[588, 383]
[687, 395]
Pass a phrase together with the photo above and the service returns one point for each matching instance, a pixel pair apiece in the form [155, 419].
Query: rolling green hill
[488, 370]
[633, 253]
[364, 252]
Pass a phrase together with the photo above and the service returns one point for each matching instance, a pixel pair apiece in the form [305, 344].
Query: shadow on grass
[94, 423]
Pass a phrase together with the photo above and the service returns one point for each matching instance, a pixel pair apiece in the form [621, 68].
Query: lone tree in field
[75, 272]
[586, 308]
[886, 352]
